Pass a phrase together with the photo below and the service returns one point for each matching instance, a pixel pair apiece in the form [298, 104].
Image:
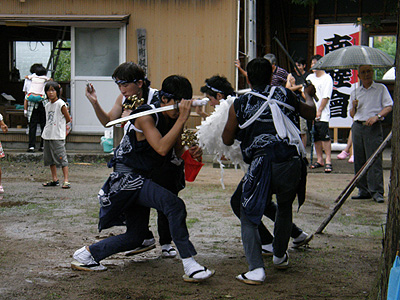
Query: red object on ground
[192, 166]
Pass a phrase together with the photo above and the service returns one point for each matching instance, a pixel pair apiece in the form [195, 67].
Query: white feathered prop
[209, 136]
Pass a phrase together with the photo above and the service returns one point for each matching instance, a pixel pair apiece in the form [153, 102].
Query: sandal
[169, 253]
[242, 277]
[52, 183]
[66, 185]
[316, 165]
[190, 278]
[328, 168]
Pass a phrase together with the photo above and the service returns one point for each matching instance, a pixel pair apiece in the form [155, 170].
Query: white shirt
[55, 128]
[323, 87]
[370, 101]
[37, 84]
[27, 85]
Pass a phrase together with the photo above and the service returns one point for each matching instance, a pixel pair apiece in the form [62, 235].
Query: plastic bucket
[107, 144]
[192, 166]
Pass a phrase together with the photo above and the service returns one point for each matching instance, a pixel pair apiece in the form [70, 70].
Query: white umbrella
[352, 57]
[390, 75]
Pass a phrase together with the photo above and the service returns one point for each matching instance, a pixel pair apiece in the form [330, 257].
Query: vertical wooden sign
[141, 47]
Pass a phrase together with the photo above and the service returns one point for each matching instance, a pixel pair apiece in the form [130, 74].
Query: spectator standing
[54, 135]
[323, 83]
[295, 82]
[370, 104]
[347, 151]
[34, 103]
[279, 75]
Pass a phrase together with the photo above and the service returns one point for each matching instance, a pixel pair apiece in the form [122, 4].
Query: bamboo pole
[350, 187]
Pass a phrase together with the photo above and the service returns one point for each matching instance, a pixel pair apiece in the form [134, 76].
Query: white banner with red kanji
[328, 38]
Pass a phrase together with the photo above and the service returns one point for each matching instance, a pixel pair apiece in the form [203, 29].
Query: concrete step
[17, 139]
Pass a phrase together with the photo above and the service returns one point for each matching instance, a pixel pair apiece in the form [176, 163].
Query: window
[97, 51]
[27, 53]
[386, 43]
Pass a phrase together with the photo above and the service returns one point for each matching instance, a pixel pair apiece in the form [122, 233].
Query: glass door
[95, 53]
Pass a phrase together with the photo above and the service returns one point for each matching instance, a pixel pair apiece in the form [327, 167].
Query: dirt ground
[40, 228]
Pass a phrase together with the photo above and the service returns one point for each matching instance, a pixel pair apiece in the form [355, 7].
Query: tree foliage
[387, 44]
[63, 70]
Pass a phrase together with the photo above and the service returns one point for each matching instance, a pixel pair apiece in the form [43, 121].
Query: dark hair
[40, 70]
[217, 84]
[55, 85]
[259, 72]
[35, 67]
[316, 56]
[301, 61]
[176, 87]
[131, 72]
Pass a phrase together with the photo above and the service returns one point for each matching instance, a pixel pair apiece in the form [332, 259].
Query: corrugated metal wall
[193, 38]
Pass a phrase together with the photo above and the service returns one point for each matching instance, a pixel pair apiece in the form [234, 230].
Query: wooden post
[335, 134]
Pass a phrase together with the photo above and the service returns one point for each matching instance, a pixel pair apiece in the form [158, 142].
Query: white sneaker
[84, 261]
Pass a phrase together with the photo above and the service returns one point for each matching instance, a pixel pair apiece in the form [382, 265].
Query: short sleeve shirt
[323, 87]
[370, 101]
[279, 77]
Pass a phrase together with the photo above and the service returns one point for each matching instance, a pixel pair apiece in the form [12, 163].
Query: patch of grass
[377, 233]
[92, 214]
[190, 222]
[53, 296]
[37, 208]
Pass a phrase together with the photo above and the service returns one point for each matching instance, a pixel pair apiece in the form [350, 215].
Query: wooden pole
[350, 187]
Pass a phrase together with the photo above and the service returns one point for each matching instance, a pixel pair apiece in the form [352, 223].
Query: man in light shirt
[370, 104]
[323, 83]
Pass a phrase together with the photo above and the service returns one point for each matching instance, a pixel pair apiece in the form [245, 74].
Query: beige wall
[193, 38]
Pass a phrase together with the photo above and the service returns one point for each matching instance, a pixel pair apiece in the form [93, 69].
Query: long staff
[306, 82]
[312, 132]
